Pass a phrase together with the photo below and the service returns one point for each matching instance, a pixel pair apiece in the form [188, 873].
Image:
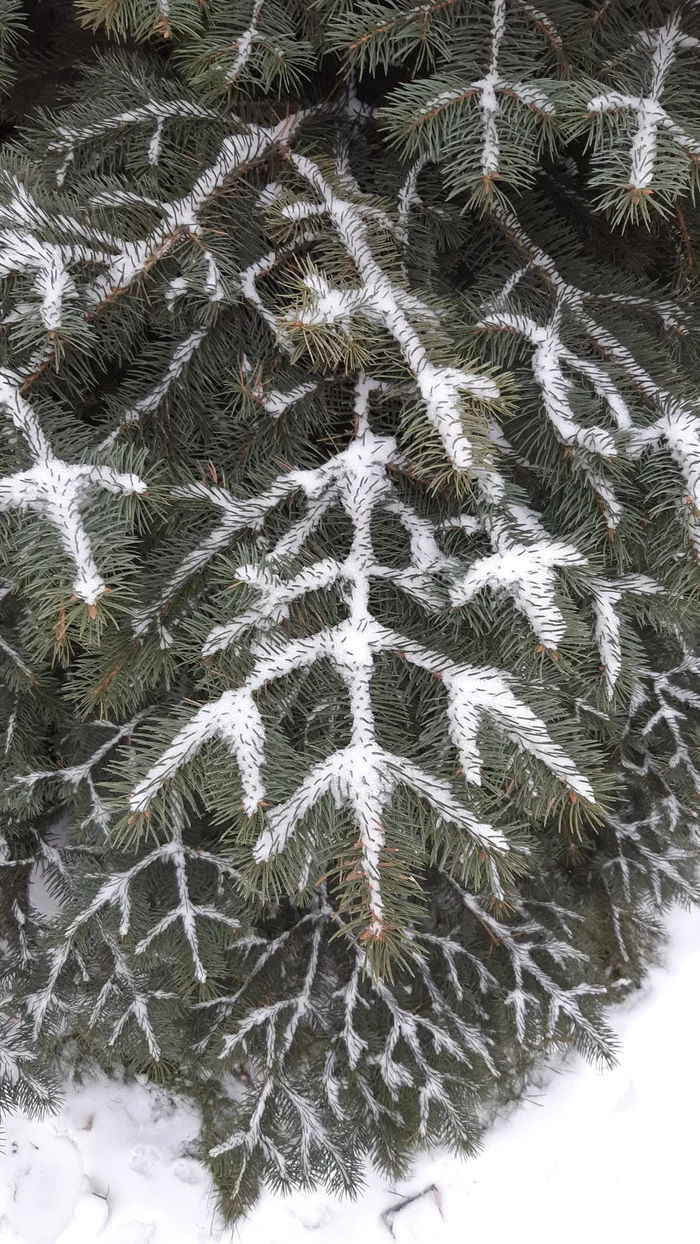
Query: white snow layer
[593, 1155]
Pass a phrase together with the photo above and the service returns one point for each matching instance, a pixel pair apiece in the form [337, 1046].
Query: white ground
[594, 1157]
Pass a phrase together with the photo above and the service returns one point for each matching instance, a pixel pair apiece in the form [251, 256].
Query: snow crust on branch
[489, 89]
[524, 571]
[665, 44]
[671, 701]
[678, 425]
[57, 490]
[548, 361]
[363, 774]
[68, 138]
[409, 198]
[180, 217]
[404, 1044]
[442, 389]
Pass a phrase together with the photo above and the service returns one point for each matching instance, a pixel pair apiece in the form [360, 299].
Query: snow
[409, 198]
[678, 424]
[117, 1165]
[491, 87]
[524, 572]
[606, 595]
[68, 138]
[179, 361]
[181, 216]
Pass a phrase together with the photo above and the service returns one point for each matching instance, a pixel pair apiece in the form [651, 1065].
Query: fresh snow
[57, 490]
[589, 1155]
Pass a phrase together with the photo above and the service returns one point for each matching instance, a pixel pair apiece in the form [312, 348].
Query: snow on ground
[607, 1156]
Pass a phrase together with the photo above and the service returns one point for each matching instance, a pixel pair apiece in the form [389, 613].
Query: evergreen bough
[350, 504]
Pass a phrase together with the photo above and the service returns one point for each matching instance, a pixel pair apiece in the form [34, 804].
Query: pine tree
[350, 505]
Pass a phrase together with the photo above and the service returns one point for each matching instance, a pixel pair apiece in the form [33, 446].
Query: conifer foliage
[350, 514]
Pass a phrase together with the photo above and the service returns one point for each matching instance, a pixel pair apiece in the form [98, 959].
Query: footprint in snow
[189, 1171]
[42, 1184]
[134, 1233]
[144, 1159]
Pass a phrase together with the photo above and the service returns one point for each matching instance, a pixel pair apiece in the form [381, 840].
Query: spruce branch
[363, 774]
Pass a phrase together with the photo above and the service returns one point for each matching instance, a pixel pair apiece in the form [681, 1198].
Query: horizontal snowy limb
[473, 693]
[155, 112]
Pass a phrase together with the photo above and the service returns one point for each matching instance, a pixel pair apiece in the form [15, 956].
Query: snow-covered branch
[529, 946]
[678, 424]
[442, 389]
[363, 774]
[180, 217]
[489, 91]
[245, 44]
[155, 113]
[524, 571]
[180, 359]
[57, 490]
[665, 45]
[76, 775]
[607, 593]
